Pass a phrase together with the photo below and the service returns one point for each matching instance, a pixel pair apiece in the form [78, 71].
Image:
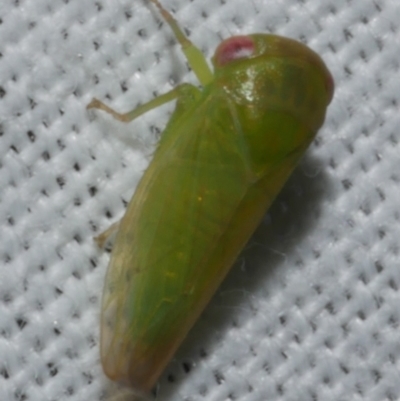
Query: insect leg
[135, 113]
[185, 94]
[103, 236]
[194, 56]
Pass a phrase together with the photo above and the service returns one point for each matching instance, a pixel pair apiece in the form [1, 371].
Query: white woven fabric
[310, 312]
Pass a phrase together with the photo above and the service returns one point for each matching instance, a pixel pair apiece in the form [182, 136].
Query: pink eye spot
[234, 48]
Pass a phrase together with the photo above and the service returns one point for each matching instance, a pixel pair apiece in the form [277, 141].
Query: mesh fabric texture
[311, 309]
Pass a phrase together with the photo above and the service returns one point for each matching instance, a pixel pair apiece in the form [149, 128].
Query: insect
[222, 159]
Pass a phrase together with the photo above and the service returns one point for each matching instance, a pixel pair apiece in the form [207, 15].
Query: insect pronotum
[222, 159]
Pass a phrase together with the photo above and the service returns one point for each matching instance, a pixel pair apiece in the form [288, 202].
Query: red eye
[234, 48]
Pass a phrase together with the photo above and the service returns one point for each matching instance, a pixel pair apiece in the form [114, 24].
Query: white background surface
[310, 312]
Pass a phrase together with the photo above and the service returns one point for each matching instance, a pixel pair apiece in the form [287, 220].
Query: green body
[223, 157]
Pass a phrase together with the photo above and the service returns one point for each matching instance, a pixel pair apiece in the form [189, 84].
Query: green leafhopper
[222, 159]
